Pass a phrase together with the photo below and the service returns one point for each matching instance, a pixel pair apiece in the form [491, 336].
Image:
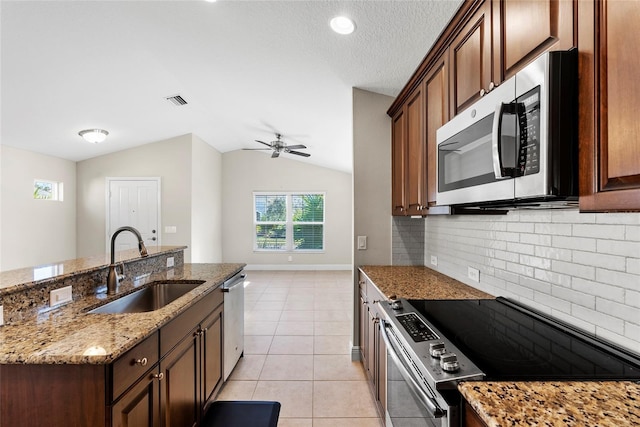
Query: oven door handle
[428, 402]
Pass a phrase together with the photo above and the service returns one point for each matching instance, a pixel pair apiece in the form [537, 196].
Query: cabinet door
[437, 114]
[364, 332]
[180, 385]
[609, 104]
[398, 153]
[416, 177]
[470, 59]
[140, 406]
[529, 28]
[211, 354]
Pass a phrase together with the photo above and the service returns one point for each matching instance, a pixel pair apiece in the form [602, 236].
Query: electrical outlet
[170, 262]
[434, 260]
[60, 296]
[1, 315]
[290, 258]
[362, 243]
[474, 274]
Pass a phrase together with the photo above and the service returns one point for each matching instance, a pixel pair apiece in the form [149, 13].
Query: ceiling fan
[278, 146]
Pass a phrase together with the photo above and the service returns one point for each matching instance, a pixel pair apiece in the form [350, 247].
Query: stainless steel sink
[151, 298]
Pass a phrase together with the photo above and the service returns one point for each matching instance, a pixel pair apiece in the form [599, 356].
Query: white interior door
[134, 202]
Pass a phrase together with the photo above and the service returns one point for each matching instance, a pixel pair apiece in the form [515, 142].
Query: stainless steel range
[434, 345]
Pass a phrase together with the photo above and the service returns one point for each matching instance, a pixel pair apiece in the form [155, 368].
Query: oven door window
[403, 406]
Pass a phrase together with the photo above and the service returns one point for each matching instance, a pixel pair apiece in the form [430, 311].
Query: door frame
[107, 216]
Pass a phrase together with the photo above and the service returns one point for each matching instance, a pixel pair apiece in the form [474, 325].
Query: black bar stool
[241, 413]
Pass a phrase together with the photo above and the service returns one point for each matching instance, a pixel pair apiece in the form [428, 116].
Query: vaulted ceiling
[247, 69]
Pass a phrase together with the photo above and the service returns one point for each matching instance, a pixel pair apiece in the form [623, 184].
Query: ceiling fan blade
[298, 153]
[275, 154]
[268, 145]
[253, 149]
[296, 147]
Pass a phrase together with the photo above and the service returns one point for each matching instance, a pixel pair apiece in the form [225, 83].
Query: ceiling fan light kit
[278, 146]
[342, 25]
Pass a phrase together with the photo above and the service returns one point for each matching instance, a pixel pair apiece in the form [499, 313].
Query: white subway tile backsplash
[598, 289]
[581, 268]
[618, 247]
[614, 232]
[602, 320]
[611, 262]
[575, 270]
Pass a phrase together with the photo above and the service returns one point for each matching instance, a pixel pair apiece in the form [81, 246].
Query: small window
[289, 221]
[47, 190]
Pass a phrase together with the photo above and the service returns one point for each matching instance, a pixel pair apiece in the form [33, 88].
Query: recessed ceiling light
[94, 135]
[342, 25]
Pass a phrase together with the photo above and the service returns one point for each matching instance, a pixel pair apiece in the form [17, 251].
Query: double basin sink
[151, 298]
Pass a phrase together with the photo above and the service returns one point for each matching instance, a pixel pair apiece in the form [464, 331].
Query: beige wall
[35, 231]
[171, 160]
[247, 171]
[372, 177]
[206, 202]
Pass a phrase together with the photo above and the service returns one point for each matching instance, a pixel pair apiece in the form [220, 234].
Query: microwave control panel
[529, 126]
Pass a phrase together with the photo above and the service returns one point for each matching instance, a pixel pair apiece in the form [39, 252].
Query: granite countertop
[417, 282]
[579, 404]
[69, 335]
[21, 278]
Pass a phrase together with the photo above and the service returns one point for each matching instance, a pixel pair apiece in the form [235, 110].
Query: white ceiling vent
[176, 100]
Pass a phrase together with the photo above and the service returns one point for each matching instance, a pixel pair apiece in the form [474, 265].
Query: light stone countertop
[570, 404]
[15, 280]
[69, 335]
[417, 282]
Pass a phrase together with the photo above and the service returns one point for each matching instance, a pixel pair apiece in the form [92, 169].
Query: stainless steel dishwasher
[233, 289]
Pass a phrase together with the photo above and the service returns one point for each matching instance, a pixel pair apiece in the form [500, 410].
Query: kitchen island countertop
[418, 282]
[69, 335]
[571, 403]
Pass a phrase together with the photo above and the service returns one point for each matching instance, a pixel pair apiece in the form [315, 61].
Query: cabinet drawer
[172, 333]
[133, 364]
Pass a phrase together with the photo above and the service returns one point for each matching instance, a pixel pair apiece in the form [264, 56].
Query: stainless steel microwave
[518, 143]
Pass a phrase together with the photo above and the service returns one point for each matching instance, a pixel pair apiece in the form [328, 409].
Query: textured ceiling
[247, 69]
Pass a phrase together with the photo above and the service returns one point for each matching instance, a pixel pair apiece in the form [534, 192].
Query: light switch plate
[60, 296]
[1, 315]
[362, 242]
[170, 262]
[473, 274]
[170, 229]
[434, 260]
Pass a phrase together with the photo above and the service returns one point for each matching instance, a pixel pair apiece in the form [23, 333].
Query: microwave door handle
[496, 147]
[428, 403]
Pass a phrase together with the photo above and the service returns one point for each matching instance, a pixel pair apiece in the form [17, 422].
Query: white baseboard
[295, 267]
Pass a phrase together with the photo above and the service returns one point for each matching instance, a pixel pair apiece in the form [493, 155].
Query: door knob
[153, 231]
[153, 238]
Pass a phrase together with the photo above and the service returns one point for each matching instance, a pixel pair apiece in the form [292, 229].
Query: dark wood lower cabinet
[164, 381]
[471, 418]
[179, 397]
[138, 406]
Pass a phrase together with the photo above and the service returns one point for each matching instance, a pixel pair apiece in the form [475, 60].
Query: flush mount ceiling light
[94, 135]
[342, 25]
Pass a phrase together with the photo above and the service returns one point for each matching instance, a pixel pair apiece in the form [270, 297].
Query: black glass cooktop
[510, 344]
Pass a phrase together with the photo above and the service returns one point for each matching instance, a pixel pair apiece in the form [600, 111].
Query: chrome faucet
[113, 278]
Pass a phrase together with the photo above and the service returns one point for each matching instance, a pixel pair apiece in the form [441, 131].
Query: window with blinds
[289, 221]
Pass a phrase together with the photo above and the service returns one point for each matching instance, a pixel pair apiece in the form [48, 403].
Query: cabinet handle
[141, 362]
[159, 376]
[205, 330]
[482, 92]
[492, 86]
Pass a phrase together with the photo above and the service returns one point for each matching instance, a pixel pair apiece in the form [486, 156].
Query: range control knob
[436, 349]
[449, 362]
[396, 304]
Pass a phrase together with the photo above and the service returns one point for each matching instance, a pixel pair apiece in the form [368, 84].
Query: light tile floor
[298, 327]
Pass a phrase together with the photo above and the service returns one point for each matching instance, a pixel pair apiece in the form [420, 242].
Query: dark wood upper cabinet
[470, 59]
[398, 153]
[528, 28]
[437, 114]
[609, 102]
[416, 173]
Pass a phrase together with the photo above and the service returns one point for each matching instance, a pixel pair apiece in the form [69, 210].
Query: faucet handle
[120, 277]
